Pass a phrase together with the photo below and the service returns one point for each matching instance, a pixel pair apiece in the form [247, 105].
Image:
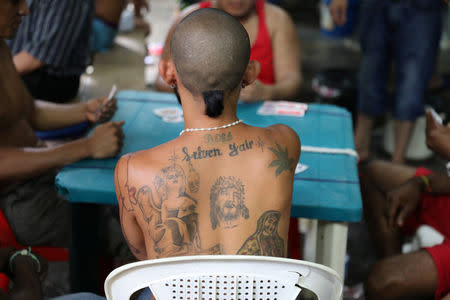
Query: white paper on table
[300, 168]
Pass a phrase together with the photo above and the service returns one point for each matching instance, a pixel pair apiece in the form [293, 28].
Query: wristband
[24, 252]
[426, 183]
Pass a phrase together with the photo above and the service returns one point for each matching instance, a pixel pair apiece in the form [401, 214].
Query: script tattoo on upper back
[265, 241]
[218, 138]
[282, 162]
[227, 202]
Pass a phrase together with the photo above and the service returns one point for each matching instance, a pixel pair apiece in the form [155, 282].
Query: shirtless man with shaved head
[222, 186]
[274, 44]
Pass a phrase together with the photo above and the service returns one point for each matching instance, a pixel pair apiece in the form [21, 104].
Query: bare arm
[338, 11]
[286, 59]
[403, 199]
[50, 116]
[26, 63]
[23, 163]
[438, 137]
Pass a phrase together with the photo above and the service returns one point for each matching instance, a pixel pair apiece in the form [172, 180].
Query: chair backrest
[224, 277]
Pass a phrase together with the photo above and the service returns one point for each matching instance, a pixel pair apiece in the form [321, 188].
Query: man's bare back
[224, 188]
[217, 192]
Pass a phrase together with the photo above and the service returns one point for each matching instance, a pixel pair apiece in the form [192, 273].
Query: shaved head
[210, 50]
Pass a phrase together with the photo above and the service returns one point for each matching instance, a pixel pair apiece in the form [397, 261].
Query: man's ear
[252, 72]
[167, 71]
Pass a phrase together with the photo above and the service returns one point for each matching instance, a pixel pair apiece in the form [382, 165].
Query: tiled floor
[124, 66]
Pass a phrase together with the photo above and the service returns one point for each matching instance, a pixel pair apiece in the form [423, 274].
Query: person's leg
[364, 125]
[372, 94]
[402, 134]
[416, 41]
[406, 276]
[377, 178]
[37, 215]
[59, 89]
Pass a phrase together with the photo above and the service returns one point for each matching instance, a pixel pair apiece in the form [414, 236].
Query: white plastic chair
[224, 277]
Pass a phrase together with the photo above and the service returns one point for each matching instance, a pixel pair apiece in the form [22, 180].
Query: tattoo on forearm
[282, 162]
[265, 241]
[227, 205]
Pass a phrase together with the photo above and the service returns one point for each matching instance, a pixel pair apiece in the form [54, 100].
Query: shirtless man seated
[222, 186]
[274, 43]
[397, 199]
[28, 198]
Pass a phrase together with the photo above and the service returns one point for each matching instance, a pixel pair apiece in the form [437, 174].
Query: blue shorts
[407, 33]
[102, 36]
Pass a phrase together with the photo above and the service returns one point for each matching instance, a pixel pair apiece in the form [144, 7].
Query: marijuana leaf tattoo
[282, 162]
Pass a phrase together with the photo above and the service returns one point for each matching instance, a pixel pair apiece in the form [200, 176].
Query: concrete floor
[124, 66]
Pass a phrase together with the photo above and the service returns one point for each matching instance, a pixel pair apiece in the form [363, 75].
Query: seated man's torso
[16, 106]
[215, 192]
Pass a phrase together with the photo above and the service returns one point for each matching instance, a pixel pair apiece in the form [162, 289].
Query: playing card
[300, 168]
[283, 108]
[173, 118]
[168, 111]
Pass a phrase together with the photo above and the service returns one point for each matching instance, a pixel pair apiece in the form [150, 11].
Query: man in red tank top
[275, 45]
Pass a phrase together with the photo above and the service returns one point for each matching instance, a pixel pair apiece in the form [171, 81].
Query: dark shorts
[407, 33]
[37, 215]
[45, 86]
[434, 211]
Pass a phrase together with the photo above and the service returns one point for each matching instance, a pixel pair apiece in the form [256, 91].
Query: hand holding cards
[100, 114]
[285, 108]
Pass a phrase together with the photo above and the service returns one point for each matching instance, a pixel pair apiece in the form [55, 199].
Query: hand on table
[100, 110]
[338, 10]
[402, 201]
[255, 92]
[106, 140]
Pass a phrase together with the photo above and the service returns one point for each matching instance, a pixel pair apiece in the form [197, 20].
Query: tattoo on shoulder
[127, 204]
[260, 143]
[170, 211]
[265, 240]
[282, 162]
[218, 138]
[227, 205]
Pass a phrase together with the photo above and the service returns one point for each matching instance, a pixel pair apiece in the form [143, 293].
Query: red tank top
[262, 48]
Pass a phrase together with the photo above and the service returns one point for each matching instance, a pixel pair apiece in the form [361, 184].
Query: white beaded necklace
[210, 128]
